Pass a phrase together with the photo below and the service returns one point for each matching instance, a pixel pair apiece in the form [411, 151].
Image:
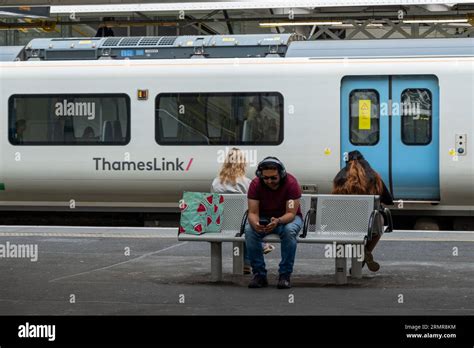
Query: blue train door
[415, 137]
[394, 122]
[362, 126]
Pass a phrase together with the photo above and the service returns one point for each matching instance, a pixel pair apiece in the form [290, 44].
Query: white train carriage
[134, 133]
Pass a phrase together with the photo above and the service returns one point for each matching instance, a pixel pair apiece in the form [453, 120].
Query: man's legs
[253, 242]
[288, 234]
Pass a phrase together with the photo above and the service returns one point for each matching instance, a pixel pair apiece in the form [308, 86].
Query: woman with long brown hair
[358, 178]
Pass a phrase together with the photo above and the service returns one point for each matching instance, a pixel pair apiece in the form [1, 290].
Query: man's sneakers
[247, 269]
[369, 260]
[284, 281]
[258, 281]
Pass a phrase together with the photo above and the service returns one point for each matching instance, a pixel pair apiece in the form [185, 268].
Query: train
[125, 128]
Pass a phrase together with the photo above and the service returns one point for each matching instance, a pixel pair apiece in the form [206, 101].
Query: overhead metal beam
[360, 28]
[224, 5]
[327, 31]
[229, 26]
[200, 25]
[396, 27]
[189, 21]
[276, 28]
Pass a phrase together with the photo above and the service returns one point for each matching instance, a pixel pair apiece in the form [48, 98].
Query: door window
[416, 111]
[364, 117]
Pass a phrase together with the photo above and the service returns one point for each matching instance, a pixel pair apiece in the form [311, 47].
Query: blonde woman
[232, 179]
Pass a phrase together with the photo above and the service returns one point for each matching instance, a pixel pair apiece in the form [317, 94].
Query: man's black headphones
[271, 161]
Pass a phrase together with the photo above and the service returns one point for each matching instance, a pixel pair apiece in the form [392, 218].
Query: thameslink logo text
[101, 164]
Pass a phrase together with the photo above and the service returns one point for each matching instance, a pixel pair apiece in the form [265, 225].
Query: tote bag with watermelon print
[201, 213]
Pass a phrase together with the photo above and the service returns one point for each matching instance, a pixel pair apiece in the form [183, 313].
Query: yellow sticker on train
[364, 113]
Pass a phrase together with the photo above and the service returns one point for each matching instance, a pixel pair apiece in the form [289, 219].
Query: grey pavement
[85, 271]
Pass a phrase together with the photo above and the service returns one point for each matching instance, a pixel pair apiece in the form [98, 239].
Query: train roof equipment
[160, 47]
[238, 46]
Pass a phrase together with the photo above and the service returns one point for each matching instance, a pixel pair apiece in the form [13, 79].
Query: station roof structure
[244, 5]
[313, 19]
[190, 5]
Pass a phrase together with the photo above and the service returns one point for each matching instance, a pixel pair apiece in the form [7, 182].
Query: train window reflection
[416, 111]
[69, 119]
[364, 117]
[219, 118]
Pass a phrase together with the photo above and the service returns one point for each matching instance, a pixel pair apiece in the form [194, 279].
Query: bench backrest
[334, 213]
[343, 213]
[235, 206]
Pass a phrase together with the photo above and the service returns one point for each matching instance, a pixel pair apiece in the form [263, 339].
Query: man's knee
[248, 228]
[291, 228]
[250, 233]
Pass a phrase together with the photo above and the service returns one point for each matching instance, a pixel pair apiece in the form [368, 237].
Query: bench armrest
[306, 222]
[242, 224]
[388, 215]
[376, 215]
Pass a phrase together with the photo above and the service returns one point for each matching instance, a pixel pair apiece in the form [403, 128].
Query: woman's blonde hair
[234, 167]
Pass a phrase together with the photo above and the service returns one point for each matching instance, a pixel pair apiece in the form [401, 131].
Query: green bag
[201, 213]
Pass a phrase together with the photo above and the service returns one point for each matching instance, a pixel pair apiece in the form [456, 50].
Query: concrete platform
[420, 275]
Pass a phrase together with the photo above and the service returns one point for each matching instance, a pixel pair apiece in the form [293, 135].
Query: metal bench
[340, 219]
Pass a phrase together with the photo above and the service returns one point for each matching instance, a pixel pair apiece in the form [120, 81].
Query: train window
[364, 117]
[219, 118]
[69, 119]
[416, 111]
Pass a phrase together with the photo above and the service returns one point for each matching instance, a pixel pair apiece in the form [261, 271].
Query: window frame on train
[52, 127]
[354, 120]
[403, 118]
[238, 114]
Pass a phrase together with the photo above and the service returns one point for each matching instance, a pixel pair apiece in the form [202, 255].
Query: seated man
[274, 195]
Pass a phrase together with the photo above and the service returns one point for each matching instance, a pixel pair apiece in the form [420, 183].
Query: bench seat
[341, 238]
[340, 219]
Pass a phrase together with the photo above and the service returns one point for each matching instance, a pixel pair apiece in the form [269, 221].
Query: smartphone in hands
[263, 221]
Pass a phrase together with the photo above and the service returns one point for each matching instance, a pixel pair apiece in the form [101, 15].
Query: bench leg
[238, 260]
[341, 270]
[216, 261]
[356, 268]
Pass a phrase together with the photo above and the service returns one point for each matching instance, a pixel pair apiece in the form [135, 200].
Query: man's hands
[268, 228]
[272, 225]
[259, 228]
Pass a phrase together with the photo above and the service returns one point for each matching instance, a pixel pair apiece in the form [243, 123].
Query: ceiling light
[289, 24]
[409, 21]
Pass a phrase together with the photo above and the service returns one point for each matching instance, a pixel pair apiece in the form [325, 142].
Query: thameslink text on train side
[155, 165]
